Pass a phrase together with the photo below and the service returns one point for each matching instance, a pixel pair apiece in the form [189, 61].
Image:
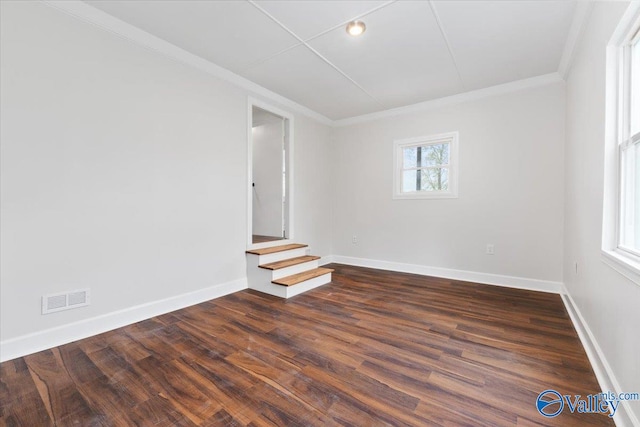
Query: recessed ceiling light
[355, 28]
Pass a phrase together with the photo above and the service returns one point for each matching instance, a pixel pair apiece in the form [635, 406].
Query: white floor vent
[59, 302]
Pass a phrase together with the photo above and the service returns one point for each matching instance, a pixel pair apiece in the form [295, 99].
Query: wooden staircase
[285, 270]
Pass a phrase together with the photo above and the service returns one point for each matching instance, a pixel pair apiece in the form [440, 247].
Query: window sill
[424, 195]
[623, 264]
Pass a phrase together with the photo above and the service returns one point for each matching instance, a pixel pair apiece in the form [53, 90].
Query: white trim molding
[103, 20]
[627, 267]
[97, 17]
[449, 138]
[613, 255]
[446, 273]
[289, 135]
[327, 259]
[580, 16]
[518, 85]
[49, 338]
[624, 416]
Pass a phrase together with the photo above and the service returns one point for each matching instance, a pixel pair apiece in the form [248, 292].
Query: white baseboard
[32, 343]
[624, 416]
[468, 276]
[327, 259]
[38, 341]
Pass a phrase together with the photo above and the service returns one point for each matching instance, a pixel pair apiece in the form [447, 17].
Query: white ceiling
[412, 51]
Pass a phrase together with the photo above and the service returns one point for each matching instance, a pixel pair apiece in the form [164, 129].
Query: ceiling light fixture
[355, 28]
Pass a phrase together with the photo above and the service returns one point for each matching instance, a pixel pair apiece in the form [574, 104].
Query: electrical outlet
[354, 240]
[490, 249]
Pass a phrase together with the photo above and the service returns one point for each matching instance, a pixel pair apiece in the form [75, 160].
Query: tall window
[629, 144]
[426, 167]
[621, 213]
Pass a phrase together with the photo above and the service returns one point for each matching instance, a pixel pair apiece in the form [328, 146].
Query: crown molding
[473, 95]
[578, 23]
[103, 20]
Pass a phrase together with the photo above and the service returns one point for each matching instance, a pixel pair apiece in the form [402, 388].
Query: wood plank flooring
[371, 348]
[257, 238]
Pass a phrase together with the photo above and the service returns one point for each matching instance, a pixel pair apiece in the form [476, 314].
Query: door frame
[288, 132]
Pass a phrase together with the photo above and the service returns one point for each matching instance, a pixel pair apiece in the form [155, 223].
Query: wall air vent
[67, 301]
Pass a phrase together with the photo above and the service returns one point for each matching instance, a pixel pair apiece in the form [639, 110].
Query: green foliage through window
[425, 167]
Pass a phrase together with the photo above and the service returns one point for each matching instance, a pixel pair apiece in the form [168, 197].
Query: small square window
[425, 167]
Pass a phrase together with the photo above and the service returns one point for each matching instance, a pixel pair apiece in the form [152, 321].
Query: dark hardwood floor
[371, 348]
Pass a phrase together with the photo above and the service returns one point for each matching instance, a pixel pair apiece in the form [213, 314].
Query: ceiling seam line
[319, 55]
[446, 41]
[362, 15]
[315, 52]
[260, 61]
[305, 41]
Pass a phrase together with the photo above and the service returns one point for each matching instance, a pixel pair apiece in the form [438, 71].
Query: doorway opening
[269, 174]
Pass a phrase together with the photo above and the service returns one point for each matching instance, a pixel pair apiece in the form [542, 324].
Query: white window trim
[253, 102]
[624, 261]
[452, 193]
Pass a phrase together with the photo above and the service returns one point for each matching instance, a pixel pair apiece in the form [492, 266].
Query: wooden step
[301, 277]
[274, 249]
[289, 262]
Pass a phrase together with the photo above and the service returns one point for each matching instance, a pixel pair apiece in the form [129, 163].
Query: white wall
[510, 189]
[313, 193]
[125, 172]
[608, 302]
[122, 171]
[267, 177]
